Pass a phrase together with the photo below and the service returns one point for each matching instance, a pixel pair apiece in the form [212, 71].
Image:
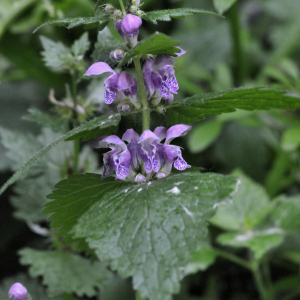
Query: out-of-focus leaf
[65, 272]
[89, 129]
[286, 215]
[204, 135]
[223, 5]
[90, 22]
[259, 242]
[45, 120]
[10, 10]
[147, 231]
[81, 46]
[157, 43]
[201, 260]
[259, 98]
[291, 139]
[166, 15]
[247, 209]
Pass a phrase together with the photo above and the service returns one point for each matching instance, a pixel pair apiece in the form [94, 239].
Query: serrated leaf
[201, 260]
[91, 22]
[147, 231]
[55, 55]
[286, 215]
[249, 206]
[223, 5]
[106, 43]
[65, 272]
[66, 211]
[45, 120]
[204, 135]
[260, 242]
[89, 129]
[157, 43]
[258, 98]
[166, 15]
[81, 45]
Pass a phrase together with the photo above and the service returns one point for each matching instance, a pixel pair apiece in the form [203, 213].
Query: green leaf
[65, 211]
[204, 135]
[65, 272]
[147, 231]
[286, 215]
[90, 22]
[201, 260]
[89, 129]
[45, 120]
[106, 43]
[291, 139]
[166, 15]
[81, 46]
[258, 98]
[248, 208]
[223, 5]
[157, 43]
[259, 242]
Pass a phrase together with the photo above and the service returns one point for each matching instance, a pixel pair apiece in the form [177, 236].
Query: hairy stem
[76, 142]
[122, 7]
[142, 94]
[237, 45]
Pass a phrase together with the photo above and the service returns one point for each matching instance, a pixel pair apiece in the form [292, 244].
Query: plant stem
[259, 283]
[237, 45]
[76, 142]
[234, 259]
[122, 7]
[142, 94]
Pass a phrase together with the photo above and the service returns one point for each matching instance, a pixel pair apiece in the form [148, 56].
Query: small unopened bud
[118, 13]
[140, 178]
[136, 2]
[109, 9]
[161, 175]
[133, 9]
[117, 55]
[17, 291]
[169, 99]
[139, 13]
[126, 108]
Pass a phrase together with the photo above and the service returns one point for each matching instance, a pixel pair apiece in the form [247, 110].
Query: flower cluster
[17, 292]
[144, 157]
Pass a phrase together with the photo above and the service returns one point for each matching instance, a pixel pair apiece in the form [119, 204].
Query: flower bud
[161, 175]
[135, 2]
[131, 24]
[117, 55]
[118, 13]
[17, 291]
[109, 9]
[140, 178]
[133, 9]
[126, 108]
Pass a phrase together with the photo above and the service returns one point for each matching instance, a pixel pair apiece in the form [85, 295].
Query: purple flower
[110, 82]
[159, 78]
[173, 153]
[127, 89]
[17, 291]
[144, 157]
[117, 160]
[128, 28]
